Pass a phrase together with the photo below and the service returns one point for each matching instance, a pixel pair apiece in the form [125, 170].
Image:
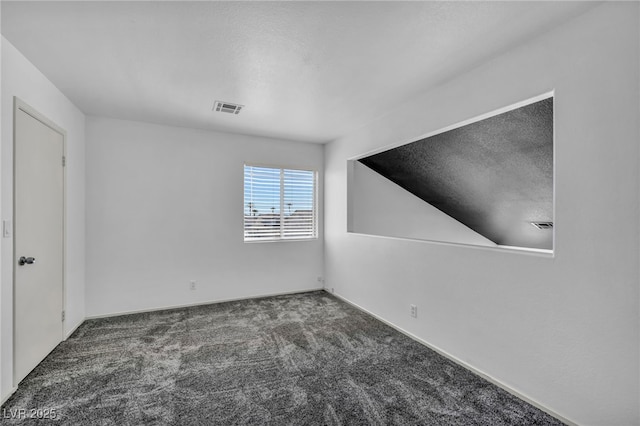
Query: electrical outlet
[192, 285]
[320, 279]
[413, 311]
[332, 290]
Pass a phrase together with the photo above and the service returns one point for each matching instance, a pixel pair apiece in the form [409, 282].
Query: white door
[38, 239]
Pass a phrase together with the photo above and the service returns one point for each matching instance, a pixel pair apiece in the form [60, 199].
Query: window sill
[280, 240]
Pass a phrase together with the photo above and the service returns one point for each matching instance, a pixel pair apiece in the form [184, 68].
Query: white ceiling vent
[220, 106]
[543, 225]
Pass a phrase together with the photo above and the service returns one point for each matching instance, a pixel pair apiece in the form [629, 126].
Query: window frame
[314, 215]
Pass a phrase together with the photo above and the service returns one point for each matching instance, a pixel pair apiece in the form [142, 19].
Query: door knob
[26, 260]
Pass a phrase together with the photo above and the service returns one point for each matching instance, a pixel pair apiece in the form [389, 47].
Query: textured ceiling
[494, 175]
[306, 71]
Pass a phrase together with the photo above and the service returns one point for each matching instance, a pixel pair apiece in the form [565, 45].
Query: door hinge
[64, 161]
[63, 316]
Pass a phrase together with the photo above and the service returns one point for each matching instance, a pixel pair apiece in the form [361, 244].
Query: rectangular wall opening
[485, 182]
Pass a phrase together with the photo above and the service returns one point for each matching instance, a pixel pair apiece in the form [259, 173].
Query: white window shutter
[280, 204]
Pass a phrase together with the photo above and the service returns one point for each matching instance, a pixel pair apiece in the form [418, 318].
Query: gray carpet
[289, 360]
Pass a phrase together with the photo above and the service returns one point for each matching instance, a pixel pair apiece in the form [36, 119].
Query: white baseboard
[459, 362]
[6, 397]
[73, 330]
[209, 302]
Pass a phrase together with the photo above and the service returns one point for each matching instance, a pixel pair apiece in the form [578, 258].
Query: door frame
[20, 105]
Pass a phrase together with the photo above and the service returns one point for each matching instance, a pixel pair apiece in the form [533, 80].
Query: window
[279, 204]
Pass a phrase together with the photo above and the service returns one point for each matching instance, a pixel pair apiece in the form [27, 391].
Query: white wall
[561, 330]
[20, 78]
[165, 206]
[381, 207]
[2, 393]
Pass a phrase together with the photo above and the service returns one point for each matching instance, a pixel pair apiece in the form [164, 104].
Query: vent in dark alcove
[543, 225]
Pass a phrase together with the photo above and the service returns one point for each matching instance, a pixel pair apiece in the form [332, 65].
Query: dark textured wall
[495, 175]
